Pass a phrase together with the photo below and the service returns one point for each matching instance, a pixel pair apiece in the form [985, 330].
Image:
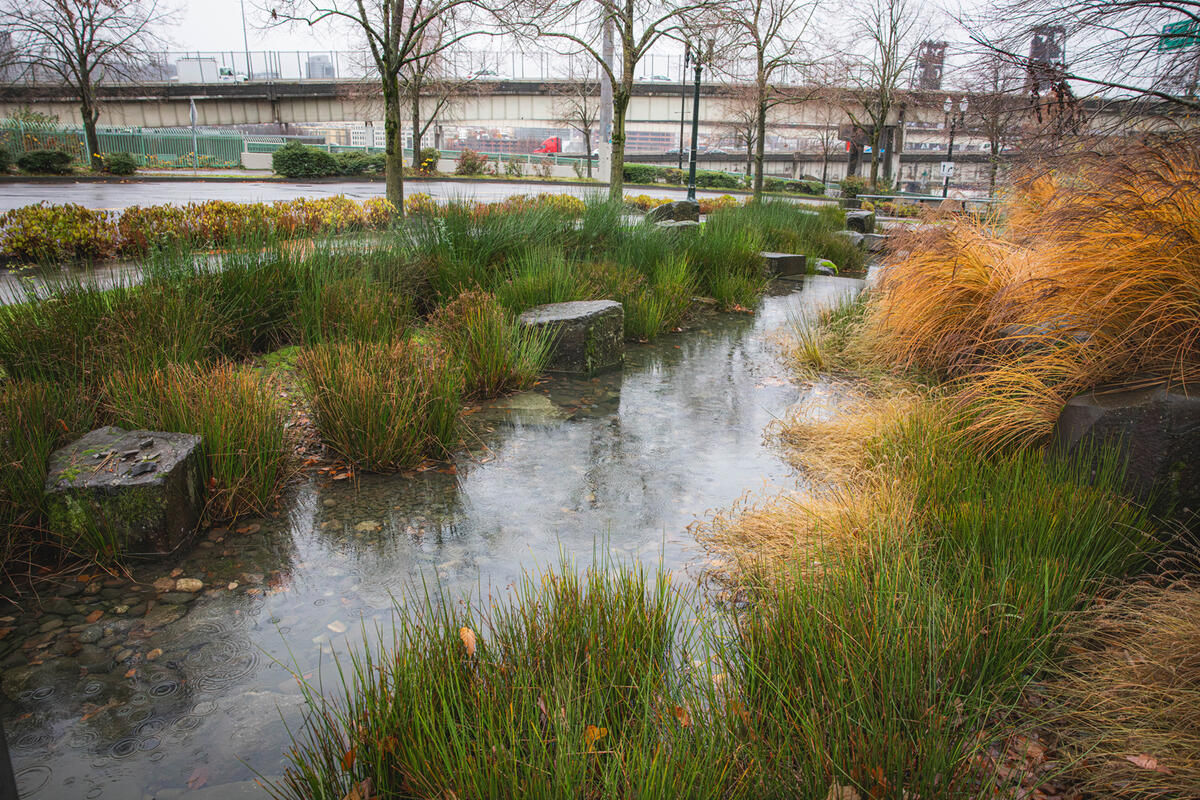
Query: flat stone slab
[874, 242]
[527, 409]
[679, 224]
[138, 490]
[1157, 429]
[589, 335]
[860, 221]
[786, 265]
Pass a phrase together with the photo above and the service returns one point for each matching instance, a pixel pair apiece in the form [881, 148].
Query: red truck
[551, 145]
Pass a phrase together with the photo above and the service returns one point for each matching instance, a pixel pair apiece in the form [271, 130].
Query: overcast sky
[217, 25]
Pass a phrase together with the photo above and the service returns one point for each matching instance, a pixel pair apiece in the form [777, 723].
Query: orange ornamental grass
[1090, 277]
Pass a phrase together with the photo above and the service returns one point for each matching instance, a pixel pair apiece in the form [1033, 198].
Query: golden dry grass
[1092, 277]
[1126, 702]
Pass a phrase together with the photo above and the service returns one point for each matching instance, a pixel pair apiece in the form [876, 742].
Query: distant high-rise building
[320, 67]
[931, 62]
[1047, 58]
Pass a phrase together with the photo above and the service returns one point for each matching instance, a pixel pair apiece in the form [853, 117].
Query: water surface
[165, 688]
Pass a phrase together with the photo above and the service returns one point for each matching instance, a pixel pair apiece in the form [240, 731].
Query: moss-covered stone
[114, 493]
[589, 336]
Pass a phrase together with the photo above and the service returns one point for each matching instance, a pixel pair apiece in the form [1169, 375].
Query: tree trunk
[995, 167]
[875, 137]
[749, 155]
[394, 152]
[760, 147]
[616, 172]
[89, 113]
[416, 125]
[587, 150]
[825, 166]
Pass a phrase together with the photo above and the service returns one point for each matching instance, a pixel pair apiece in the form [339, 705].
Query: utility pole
[606, 102]
[246, 43]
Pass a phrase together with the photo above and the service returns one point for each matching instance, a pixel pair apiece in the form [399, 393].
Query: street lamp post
[246, 44]
[687, 55]
[952, 122]
[691, 195]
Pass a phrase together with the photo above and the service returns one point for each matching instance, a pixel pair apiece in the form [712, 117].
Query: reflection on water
[124, 689]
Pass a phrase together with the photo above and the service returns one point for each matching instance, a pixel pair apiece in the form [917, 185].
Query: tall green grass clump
[539, 277]
[76, 332]
[383, 405]
[661, 302]
[727, 261]
[496, 353]
[571, 686]
[888, 666]
[467, 248]
[36, 418]
[238, 414]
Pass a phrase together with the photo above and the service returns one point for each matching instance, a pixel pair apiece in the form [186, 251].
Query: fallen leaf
[1147, 762]
[348, 760]
[592, 733]
[153, 654]
[839, 792]
[680, 713]
[198, 778]
[468, 639]
[360, 791]
[175, 573]
[92, 617]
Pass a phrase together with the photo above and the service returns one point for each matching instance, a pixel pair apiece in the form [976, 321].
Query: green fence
[157, 147]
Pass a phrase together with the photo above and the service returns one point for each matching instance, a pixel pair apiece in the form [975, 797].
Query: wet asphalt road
[122, 195]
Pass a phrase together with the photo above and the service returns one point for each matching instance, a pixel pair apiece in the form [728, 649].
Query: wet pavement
[172, 685]
[122, 195]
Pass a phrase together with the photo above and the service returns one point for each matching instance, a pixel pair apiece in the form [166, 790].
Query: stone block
[677, 210]
[785, 265]
[1157, 430]
[825, 267]
[860, 221]
[874, 242]
[679, 224]
[589, 335]
[140, 490]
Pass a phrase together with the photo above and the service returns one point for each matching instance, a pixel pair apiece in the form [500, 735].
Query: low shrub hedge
[120, 163]
[46, 232]
[711, 179]
[470, 163]
[295, 160]
[642, 173]
[45, 162]
[360, 163]
[6, 160]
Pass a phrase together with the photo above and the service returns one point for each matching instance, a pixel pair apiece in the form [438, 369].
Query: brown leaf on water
[1148, 762]
[198, 778]
[92, 617]
[468, 639]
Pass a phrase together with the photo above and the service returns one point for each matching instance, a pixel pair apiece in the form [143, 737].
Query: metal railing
[152, 147]
[235, 66]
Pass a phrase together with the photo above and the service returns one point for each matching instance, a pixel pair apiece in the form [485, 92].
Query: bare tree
[892, 31]
[739, 119]
[638, 26]
[827, 139]
[577, 104]
[431, 86]
[767, 34]
[1000, 108]
[398, 34]
[83, 43]
[1121, 49]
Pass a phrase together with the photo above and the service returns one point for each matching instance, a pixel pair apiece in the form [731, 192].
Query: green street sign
[1179, 35]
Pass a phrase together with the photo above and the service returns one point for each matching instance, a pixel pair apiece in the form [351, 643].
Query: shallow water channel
[123, 690]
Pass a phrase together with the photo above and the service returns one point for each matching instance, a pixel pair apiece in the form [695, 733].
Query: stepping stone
[1157, 430]
[589, 335]
[860, 221]
[149, 503]
[786, 265]
[675, 210]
